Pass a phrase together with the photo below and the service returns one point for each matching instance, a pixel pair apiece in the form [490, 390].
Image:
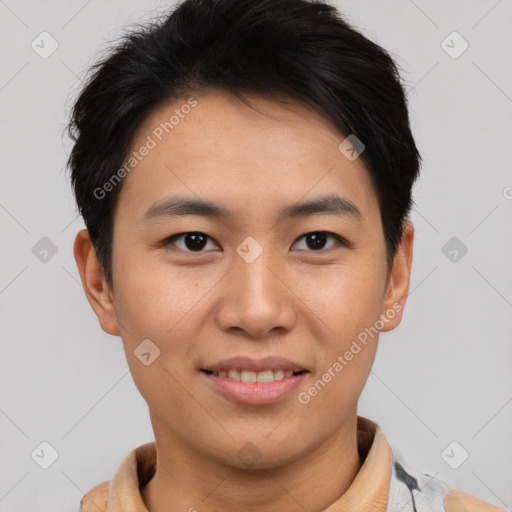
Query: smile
[252, 376]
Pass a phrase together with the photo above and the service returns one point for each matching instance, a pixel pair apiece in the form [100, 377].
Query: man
[244, 169]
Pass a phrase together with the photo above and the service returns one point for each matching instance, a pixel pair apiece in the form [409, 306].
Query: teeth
[266, 376]
[278, 374]
[234, 375]
[250, 376]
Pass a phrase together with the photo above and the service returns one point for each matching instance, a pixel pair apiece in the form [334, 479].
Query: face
[278, 277]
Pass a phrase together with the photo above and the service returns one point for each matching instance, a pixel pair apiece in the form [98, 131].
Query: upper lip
[256, 365]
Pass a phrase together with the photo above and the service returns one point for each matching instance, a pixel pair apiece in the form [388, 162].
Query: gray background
[443, 375]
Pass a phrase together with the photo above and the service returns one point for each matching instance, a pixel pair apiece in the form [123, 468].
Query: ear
[96, 289]
[398, 282]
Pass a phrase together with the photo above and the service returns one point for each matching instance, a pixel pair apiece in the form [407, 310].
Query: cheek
[346, 302]
[153, 298]
[157, 307]
[168, 306]
[346, 297]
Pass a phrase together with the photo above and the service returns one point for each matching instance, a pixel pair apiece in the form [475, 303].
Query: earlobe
[96, 289]
[399, 279]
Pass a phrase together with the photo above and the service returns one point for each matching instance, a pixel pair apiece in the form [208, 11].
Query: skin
[294, 301]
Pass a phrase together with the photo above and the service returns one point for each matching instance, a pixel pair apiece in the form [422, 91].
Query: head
[244, 169]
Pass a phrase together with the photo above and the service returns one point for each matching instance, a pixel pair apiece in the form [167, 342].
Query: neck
[186, 480]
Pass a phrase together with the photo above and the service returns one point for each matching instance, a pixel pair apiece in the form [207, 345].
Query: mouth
[255, 382]
[268, 375]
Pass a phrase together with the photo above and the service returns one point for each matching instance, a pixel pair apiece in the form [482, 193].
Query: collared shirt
[384, 483]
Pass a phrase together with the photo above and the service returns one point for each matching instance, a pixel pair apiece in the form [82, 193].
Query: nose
[255, 300]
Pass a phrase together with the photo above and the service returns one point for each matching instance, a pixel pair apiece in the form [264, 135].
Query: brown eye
[316, 240]
[193, 241]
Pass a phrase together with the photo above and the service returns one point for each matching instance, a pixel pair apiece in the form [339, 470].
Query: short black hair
[303, 50]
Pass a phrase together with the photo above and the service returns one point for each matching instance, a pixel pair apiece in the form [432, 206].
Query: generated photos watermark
[342, 361]
[152, 141]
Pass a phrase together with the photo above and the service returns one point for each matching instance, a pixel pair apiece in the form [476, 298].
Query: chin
[260, 452]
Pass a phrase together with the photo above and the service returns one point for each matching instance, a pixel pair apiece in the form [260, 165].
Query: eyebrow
[330, 204]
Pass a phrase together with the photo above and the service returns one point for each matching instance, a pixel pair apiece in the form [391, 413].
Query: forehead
[217, 147]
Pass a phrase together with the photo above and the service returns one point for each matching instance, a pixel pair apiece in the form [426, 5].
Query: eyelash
[341, 241]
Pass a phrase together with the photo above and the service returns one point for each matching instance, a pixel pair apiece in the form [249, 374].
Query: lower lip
[255, 393]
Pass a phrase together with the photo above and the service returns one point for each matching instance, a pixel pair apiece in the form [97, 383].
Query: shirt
[384, 483]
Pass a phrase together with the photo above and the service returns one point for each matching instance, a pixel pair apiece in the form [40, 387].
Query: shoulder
[460, 501]
[416, 491]
[96, 499]
[136, 469]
